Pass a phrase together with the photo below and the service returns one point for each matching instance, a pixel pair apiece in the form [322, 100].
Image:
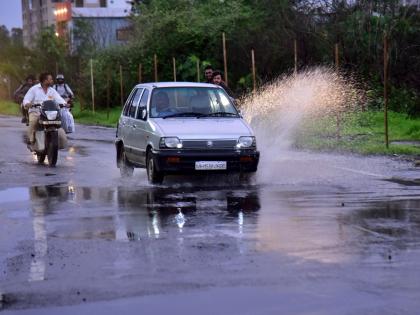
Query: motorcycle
[46, 136]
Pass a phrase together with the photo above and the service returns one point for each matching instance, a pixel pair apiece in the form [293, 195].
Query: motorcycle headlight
[246, 142]
[51, 114]
[170, 142]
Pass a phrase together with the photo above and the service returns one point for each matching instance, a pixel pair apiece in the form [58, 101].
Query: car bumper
[171, 161]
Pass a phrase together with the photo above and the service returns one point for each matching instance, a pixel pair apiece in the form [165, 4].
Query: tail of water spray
[283, 109]
[279, 110]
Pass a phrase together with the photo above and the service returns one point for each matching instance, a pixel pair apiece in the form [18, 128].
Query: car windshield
[171, 102]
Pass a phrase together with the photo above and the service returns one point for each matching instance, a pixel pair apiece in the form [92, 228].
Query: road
[313, 234]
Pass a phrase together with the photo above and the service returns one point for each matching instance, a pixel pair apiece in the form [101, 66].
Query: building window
[103, 3]
[80, 4]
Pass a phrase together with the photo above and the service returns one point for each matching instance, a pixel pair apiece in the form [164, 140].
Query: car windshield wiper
[186, 114]
[220, 114]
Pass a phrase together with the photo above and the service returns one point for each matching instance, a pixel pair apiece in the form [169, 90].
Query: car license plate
[210, 165]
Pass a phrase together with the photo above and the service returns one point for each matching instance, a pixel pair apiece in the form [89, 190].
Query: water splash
[282, 108]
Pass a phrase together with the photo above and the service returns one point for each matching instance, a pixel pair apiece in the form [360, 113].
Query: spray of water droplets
[280, 109]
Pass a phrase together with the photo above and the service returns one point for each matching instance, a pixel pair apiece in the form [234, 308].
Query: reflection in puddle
[135, 213]
[313, 230]
[388, 219]
[291, 223]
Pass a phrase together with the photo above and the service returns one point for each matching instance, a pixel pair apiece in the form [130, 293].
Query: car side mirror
[143, 113]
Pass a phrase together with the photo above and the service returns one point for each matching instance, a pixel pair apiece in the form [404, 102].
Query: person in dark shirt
[208, 74]
[20, 94]
[218, 80]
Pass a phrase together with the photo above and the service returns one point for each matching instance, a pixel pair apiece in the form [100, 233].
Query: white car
[174, 127]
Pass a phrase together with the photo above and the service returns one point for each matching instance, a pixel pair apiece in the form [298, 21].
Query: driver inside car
[161, 107]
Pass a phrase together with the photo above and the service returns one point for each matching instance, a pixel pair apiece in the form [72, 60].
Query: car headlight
[245, 142]
[51, 114]
[170, 142]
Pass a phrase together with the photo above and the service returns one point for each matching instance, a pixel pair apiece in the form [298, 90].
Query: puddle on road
[274, 221]
[14, 194]
[390, 220]
[404, 181]
[124, 213]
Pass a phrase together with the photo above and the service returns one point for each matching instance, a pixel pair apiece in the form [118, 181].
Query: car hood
[203, 128]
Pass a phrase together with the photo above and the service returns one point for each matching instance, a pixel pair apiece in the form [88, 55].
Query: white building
[38, 14]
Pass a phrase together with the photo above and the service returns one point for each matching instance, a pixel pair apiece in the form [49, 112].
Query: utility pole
[386, 63]
[225, 57]
[254, 79]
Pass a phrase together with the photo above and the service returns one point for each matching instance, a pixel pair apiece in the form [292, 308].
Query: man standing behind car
[37, 95]
[217, 79]
[208, 74]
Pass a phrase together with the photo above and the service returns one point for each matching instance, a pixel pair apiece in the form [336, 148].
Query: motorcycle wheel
[52, 148]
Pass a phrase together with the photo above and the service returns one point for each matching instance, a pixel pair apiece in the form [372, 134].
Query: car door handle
[134, 126]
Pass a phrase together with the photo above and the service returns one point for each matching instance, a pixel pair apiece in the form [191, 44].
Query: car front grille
[209, 144]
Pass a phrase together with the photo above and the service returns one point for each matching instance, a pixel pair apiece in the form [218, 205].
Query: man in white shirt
[37, 95]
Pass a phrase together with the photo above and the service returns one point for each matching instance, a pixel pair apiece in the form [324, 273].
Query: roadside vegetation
[363, 133]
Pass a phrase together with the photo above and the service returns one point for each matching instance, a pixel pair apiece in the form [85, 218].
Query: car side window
[128, 102]
[135, 103]
[143, 102]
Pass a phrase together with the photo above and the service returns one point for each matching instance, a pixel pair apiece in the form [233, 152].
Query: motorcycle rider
[20, 94]
[37, 95]
[63, 89]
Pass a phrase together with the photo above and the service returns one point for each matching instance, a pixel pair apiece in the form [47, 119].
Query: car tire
[126, 170]
[246, 178]
[153, 175]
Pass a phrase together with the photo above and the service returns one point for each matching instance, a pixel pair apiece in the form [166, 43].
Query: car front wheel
[153, 175]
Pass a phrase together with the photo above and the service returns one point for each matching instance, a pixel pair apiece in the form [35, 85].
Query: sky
[11, 13]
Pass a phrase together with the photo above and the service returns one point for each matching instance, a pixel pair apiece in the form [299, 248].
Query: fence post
[386, 89]
[338, 114]
[198, 70]
[121, 87]
[156, 70]
[92, 86]
[254, 82]
[140, 73]
[108, 93]
[337, 56]
[295, 55]
[225, 58]
[174, 67]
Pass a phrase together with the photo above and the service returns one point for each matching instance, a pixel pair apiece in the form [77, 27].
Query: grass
[9, 108]
[100, 117]
[363, 133]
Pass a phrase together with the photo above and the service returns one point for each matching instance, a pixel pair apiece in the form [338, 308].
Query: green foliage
[363, 132]
[9, 108]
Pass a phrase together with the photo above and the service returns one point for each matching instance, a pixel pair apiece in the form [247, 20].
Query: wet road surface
[313, 234]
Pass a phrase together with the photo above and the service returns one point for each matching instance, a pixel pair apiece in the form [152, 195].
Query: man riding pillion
[63, 89]
[37, 95]
[20, 94]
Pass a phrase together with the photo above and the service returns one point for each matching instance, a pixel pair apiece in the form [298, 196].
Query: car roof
[176, 84]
